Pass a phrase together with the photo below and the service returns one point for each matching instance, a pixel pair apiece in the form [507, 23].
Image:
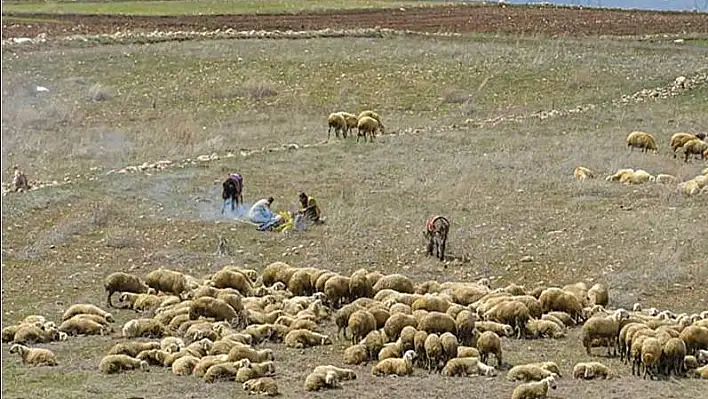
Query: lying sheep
[582, 173]
[35, 356]
[304, 339]
[166, 280]
[86, 308]
[185, 365]
[638, 177]
[700, 372]
[31, 334]
[154, 357]
[528, 372]
[534, 390]
[342, 373]
[226, 278]
[367, 126]
[219, 370]
[207, 362]
[143, 328]
[466, 366]
[643, 141]
[695, 147]
[356, 354]
[467, 351]
[399, 367]
[262, 386]
[592, 370]
[317, 381]
[619, 175]
[140, 302]
[171, 344]
[213, 308]
[489, 343]
[132, 348]
[123, 282]
[544, 328]
[252, 371]
[254, 356]
[83, 326]
[338, 123]
[503, 330]
[663, 178]
[112, 364]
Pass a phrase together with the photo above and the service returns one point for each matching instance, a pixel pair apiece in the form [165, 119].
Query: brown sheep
[166, 280]
[513, 313]
[434, 352]
[30, 334]
[396, 322]
[336, 290]
[226, 278]
[396, 282]
[643, 141]
[83, 326]
[123, 282]
[694, 147]
[489, 343]
[436, 322]
[215, 308]
[35, 356]
[367, 126]
[338, 123]
[263, 386]
[679, 139]
[356, 354]
[360, 286]
[85, 308]
[360, 323]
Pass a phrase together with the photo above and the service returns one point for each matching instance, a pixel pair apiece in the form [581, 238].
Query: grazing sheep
[695, 337]
[465, 325]
[213, 308]
[434, 352]
[373, 115]
[83, 326]
[390, 350]
[513, 313]
[254, 356]
[352, 120]
[673, 355]
[132, 348]
[592, 370]
[396, 323]
[356, 354]
[361, 322]
[337, 122]
[489, 343]
[598, 295]
[35, 356]
[184, 365]
[695, 147]
[651, 355]
[449, 344]
[528, 372]
[252, 371]
[84, 308]
[605, 328]
[360, 286]
[112, 364]
[305, 339]
[336, 290]
[438, 323]
[679, 139]
[367, 126]
[123, 282]
[467, 351]
[462, 367]
[317, 381]
[544, 328]
[396, 282]
[582, 173]
[400, 367]
[166, 280]
[534, 390]
[407, 338]
[560, 300]
[150, 328]
[262, 386]
[643, 141]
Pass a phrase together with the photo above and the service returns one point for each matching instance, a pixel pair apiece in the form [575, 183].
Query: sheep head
[551, 381]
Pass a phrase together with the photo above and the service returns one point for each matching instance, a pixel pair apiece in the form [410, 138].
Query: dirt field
[540, 20]
[508, 188]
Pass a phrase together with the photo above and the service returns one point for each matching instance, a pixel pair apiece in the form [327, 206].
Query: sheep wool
[534, 390]
[643, 141]
[400, 367]
[263, 386]
[582, 173]
[35, 356]
[112, 364]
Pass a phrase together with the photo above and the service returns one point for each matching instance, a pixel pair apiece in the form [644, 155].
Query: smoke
[211, 210]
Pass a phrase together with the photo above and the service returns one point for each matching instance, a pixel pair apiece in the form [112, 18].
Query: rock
[527, 259]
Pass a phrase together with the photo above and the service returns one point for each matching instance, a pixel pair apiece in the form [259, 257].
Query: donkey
[233, 187]
[436, 230]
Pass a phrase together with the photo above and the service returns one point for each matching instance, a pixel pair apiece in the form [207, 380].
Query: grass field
[192, 7]
[508, 189]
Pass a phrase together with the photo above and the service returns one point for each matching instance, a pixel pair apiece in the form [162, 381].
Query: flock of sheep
[691, 144]
[212, 328]
[367, 123]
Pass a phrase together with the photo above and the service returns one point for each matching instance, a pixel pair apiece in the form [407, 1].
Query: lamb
[35, 356]
[356, 354]
[361, 322]
[227, 278]
[694, 147]
[582, 173]
[544, 328]
[166, 280]
[373, 115]
[398, 367]
[434, 352]
[85, 308]
[513, 313]
[263, 386]
[396, 282]
[679, 139]
[305, 339]
[528, 372]
[255, 356]
[252, 371]
[83, 326]
[336, 290]
[592, 370]
[132, 348]
[213, 307]
[489, 343]
[463, 367]
[695, 337]
[317, 381]
[184, 365]
[337, 122]
[643, 141]
[534, 390]
[553, 319]
[438, 323]
[367, 126]
[123, 282]
[143, 328]
[112, 364]
[31, 334]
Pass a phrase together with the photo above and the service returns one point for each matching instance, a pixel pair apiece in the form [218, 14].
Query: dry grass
[507, 189]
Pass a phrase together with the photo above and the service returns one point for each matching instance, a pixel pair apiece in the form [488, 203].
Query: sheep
[206, 362]
[553, 319]
[663, 178]
[643, 141]
[360, 286]
[695, 337]
[111, 364]
[500, 329]
[536, 328]
[398, 367]
[598, 295]
[31, 334]
[679, 139]
[464, 325]
[317, 381]
[534, 390]
[390, 350]
[166, 280]
[396, 323]
[132, 348]
[367, 126]
[342, 374]
[338, 123]
[141, 302]
[171, 344]
[217, 368]
[227, 278]
[419, 346]
[184, 365]
[489, 343]
[83, 326]
[528, 372]
[373, 115]
[356, 354]
[381, 315]
[434, 352]
[263, 386]
[700, 372]
[467, 351]
[85, 308]
[213, 307]
[352, 120]
[563, 317]
[123, 282]
[513, 313]
[638, 177]
[396, 282]
[619, 175]
[143, 328]
[252, 371]
[155, 357]
[695, 147]
[407, 338]
[549, 366]
[436, 322]
[255, 356]
[305, 339]
[605, 328]
[690, 363]
[582, 173]
[651, 355]
[592, 370]
[360, 323]
[467, 366]
[336, 290]
[35, 356]
[673, 355]
[560, 300]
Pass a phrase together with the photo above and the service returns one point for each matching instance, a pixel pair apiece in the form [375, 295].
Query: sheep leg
[108, 300]
[442, 249]
[431, 244]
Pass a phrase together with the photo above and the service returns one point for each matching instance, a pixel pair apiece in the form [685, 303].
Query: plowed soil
[527, 20]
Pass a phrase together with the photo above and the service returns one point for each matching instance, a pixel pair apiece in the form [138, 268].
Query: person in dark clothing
[309, 210]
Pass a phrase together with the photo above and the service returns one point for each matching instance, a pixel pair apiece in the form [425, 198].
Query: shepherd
[436, 229]
[310, 211]
[19, 180]
[261, 215]
[233, 188]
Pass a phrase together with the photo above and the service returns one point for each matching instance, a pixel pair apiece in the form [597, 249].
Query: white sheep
[35, 356]
[398, 367]
[112, 364]
[534, 390]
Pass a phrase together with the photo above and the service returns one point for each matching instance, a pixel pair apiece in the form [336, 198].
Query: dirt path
[547, 20]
